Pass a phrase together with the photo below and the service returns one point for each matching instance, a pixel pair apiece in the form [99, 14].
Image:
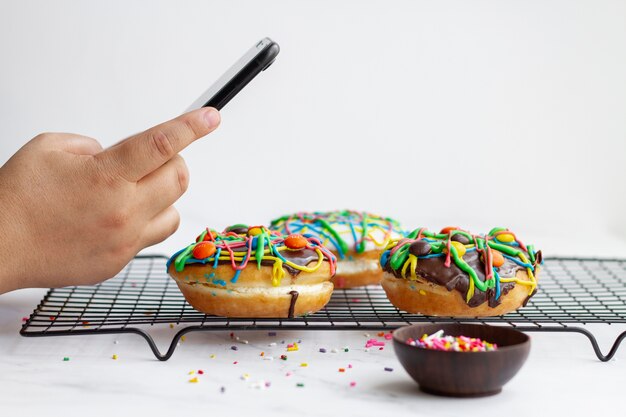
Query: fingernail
[212, 117]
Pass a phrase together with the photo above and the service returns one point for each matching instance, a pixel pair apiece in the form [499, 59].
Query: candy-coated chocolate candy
[460, 248]
[461, 238]
[447, 230]
[296, 241]
[419, 248]
[255, 231]
[497, 258]
[240, 229]
[210, 235]
[506, 237]
[203, 250]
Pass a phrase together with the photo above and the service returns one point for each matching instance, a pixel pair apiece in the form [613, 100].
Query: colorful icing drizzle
[239, 245]
[336, 228]
[489, 263]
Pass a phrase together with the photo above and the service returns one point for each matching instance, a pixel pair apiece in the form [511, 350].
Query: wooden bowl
[462, 374]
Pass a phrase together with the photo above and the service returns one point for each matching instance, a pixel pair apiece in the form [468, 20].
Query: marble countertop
[562, 374]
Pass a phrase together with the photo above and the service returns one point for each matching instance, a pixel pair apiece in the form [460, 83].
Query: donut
[457, 274]
[357, 239]
[253, 272]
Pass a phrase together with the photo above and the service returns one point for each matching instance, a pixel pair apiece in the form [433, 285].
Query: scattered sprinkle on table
[171, 325]
[65, 359]
[194, 380]
[304, 365]
[299, 385]
[322, 350]
[235, 363]
[342, 370]
[182, 338]
[292, 347]
[200, 372]
[114, 357]
[373, 342]
[353, 384]
[440, 341]
[234, 348]
[271, 333]
[283, 357]
[223, 390]
[388, 369]
[212, 356]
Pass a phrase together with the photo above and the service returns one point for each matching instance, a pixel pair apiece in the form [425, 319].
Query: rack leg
[590, 336]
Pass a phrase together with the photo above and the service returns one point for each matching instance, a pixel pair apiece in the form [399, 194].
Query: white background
[469, 113]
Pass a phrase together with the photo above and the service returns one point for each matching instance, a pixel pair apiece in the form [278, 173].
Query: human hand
[72, 213]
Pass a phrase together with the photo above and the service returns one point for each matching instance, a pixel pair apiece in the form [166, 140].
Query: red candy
[448, 229]
[203, 250]
[209, 236]
[296, 241]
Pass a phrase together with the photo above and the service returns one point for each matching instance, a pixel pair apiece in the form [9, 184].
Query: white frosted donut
[356, 238]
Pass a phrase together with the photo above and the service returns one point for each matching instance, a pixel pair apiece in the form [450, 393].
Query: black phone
[257, 59]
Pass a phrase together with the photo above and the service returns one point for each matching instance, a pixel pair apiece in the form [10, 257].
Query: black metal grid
[571, 291]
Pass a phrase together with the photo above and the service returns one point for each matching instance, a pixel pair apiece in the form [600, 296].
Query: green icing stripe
[503, 248]
[179, 263]
[399, 257]
[470, 271]
[260, 248]
[342, 243]
[361, 246]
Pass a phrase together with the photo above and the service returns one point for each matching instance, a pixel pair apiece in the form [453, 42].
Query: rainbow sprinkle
[440, 341]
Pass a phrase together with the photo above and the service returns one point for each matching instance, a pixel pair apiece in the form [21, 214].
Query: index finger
[143, 153]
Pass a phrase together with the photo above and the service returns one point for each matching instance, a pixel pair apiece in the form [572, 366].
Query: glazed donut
[252, 272]
[357, 238]
[458, 274]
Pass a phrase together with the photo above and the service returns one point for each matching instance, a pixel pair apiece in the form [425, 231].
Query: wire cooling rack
[572, 292]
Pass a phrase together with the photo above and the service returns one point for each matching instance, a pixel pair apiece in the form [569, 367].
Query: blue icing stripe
[238, 272]
[497, 277]
[517, 261]
[279, 256]
[217, 257]
[384, 258]
[432, 255]
[173, 258]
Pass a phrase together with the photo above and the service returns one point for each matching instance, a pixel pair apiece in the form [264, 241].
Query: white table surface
[562, 375]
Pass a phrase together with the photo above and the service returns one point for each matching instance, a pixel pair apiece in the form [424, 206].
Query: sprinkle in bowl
[461, 373]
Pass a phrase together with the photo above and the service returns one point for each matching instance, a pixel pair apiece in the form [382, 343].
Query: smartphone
[257, 59]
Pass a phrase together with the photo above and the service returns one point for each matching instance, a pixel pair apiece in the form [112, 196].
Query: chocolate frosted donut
[357, 238]
[455, 273]
[252, 272]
